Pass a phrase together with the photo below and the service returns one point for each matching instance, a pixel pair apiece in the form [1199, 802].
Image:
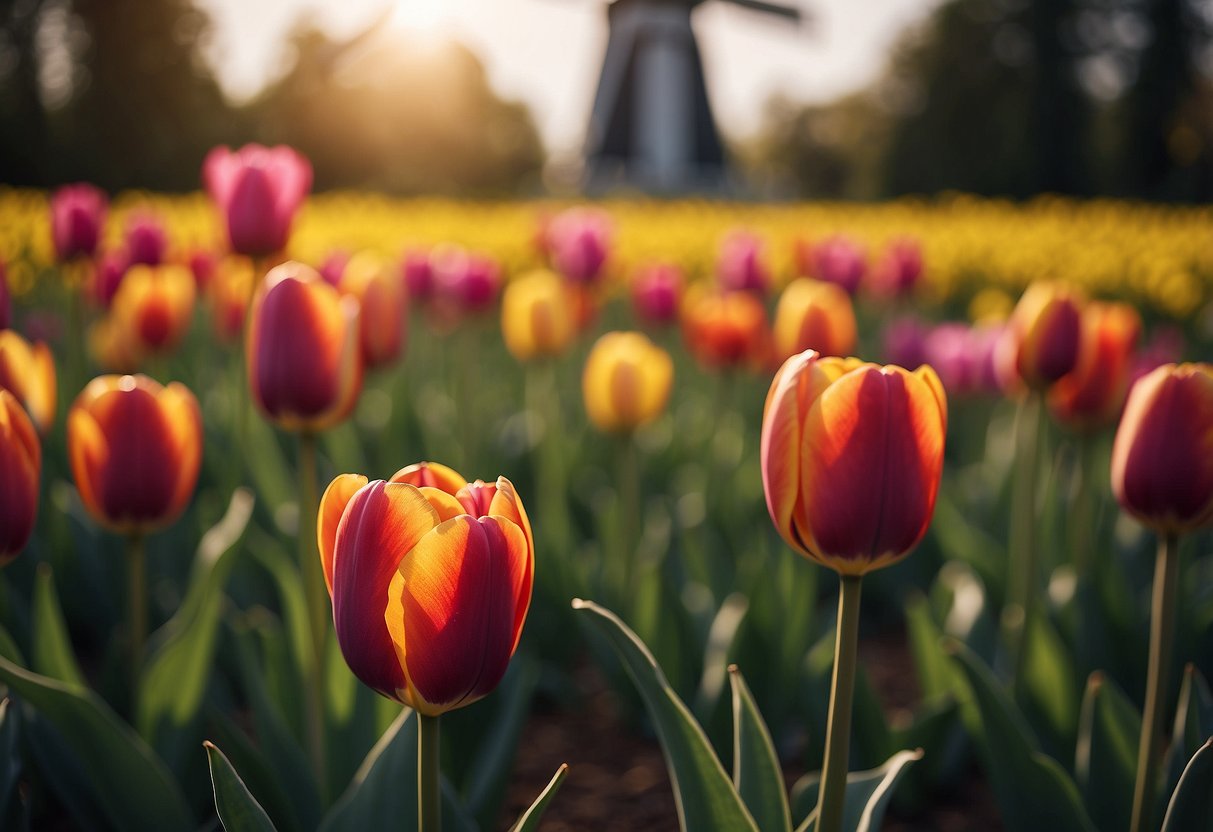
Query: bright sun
[426, 15]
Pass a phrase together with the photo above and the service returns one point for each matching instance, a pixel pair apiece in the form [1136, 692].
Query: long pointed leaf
[1105, 763]
[238, 810]
[51, 649]
[1191, 806]
[1193, 724]
[867, 796]
[529, 822]
[756, 772]
[704, 795]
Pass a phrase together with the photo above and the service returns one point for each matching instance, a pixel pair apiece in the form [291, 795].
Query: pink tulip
[146, 240]
[1166, 346]
[964, 357]
[333, 267]
[741, 266]
[258, 190]
[579, 242]
[467, 282]
[899, 268]
[202, 263]
[77, 216]
[838, 260]
[107, 277]
[417, 272]
[905, 342]
[657, 294]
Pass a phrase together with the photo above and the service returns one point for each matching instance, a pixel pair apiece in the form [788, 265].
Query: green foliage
[868, 794]
[529, 822]
[1105, 762]
[238, 810]
[1191, 806]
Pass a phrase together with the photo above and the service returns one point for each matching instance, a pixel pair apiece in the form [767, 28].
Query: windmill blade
[788, 12]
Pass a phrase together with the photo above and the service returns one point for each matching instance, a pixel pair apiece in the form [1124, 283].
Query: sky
[548, 53]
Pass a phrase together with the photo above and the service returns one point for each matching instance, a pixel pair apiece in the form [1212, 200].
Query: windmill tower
[652, 126]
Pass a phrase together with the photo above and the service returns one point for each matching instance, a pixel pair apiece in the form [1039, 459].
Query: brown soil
[617, 780]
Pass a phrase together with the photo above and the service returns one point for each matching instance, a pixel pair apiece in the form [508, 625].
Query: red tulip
[146, 240]
[725, 330]
[657, 293]
[28, 372]
[303, 352]
[430, 587]
[77, 218]
[1162, 458]
[383, 319]
[852, 454]
[135, 449]
[417, 272]
[20, 473]
[1040, 343]
[107, 278]
[1092, 395]
[258, 190]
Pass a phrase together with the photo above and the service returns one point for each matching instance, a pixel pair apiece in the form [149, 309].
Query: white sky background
[548, 53]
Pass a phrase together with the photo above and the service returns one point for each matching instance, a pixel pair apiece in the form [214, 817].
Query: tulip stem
[1162, 632]
[317, 605]
[429, 782]
[1021, 583]
[136, 572]
[629, 512]
[833, 792]
[1082, 512]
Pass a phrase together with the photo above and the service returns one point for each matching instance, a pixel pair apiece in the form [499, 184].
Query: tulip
[537, 316]
[579, 243]
[1166, 346]
[333, 267]
[381, 297]
[899, 268]
[1092, 394]
[107, 278]
[112, 347]
[852, 455]
[417, 272]
[1162, 474]
[153, 308]
[467, 283]
[28, 372]
[964, 357]
[430, 590]
[202, 263]
[741, 266]
[905, 343]
[77, 217]
[228, 289]
[6, 304]
[303, 350]
[839, 261]
[20, 472]
[814, 315]
[657, 293]
[724, 330]
[258, 190]
[1040, 344]
[626, 382]
[146, 240]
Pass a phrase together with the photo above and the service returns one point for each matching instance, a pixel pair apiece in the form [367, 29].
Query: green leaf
[238, 810]
[130, 782]
[1191, 806]
[1105, 762]
[51, 649]
[177, 673]
[385, 788]
[1011, 755]
[285, 572]
[868, 794]
[1049, 679]
[259, 775]
[872, 739]
[756, 772]
[1193, 724]
[923, 634]
[703, 794]
[529, 822]
[488, 777]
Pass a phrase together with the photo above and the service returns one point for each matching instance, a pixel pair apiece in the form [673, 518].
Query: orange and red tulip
[626, 382]
[852, 455]
[153, 307]
[28, 372]
[135, 449]
[20, 472]
[814, 315]
[303, 351]
[1040, 343]
[381, 298]
[725, 330]
[538, 316]
[1092, 395]
[430, 587]
[229, 288]
[1162, 457]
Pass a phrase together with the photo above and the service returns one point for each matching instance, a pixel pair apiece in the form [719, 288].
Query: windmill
[652, 125]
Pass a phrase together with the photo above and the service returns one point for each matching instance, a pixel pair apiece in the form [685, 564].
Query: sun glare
[422, 15]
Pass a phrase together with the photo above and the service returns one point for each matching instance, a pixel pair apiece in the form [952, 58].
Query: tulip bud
[417, 272]
[579, 243]
[905, 342]
[742, 266]
[430, 587]
[146, 240]
[814, 315]
[537, 316]
[899, 268]
[656, 294]
[135, 449]
[466, 283]
[28, 372]
[77, 217]
[626, 382]
[20, 472]
[839, 261]
[303, 352]
[1040, 343]
[202, 263]
[229, 289]
[852, 454]
[1092, 395]
[1162, 457]
[107, 278]
[333, 267]
[258, 190]
[381, 301]
[725, 330]
[112, 347]
[154, 307]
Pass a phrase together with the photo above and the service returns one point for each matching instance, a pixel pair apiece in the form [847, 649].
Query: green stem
[317, 601]
[429, 789]
[1162, 633]
[136, 600]
[838, 729]
[1082, 511]
[1022, 544]
[629, 512]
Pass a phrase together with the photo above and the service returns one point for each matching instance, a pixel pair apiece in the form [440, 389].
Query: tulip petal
[332, 507]
[381, 524]
[433, 474]
[180, 410]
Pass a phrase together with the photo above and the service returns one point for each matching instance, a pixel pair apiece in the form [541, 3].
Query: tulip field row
[311, 507]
